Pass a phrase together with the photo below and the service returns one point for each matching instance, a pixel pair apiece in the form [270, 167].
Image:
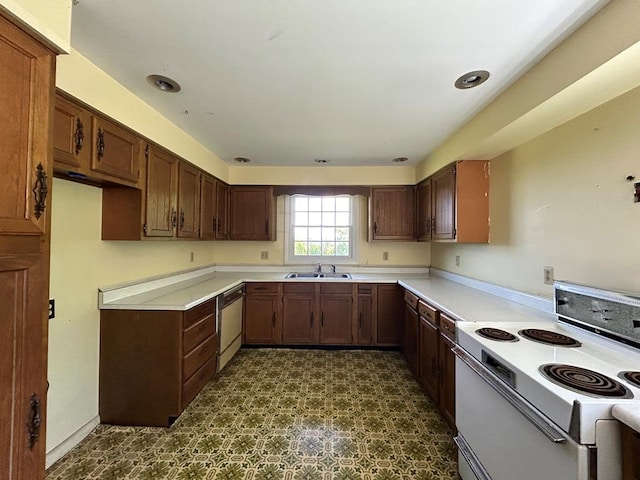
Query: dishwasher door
[229, 324]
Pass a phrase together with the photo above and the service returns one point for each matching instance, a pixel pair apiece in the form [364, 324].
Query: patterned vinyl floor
[284, 414]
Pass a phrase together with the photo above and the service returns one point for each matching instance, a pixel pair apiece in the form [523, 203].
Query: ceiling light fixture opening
[472, 79]
[400, 159]
[163, 83]
[321, 160]
[242, 159]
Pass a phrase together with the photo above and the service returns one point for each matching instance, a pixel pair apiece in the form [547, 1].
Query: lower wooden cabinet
[429, 341]
[262, 314]
[410, 331]
[300, 319]
[336, 313]
[365, 315]
[389, 315]
[447, 373]
[630, 449]
[153, 363]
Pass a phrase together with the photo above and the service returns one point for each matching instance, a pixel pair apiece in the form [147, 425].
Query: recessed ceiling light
[165, 84]
[241, 160]
[472, 79]
[400, 159]
[321, 160]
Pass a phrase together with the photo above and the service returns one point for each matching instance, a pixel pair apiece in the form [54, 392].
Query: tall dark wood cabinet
[27, 70]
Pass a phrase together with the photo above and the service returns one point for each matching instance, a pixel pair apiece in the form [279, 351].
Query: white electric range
[534, 400]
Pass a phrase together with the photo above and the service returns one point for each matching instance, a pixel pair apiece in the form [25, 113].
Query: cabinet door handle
[375, 228]
[35, 419]
[428, 225]
[174, 218]
[266, 226]
[273, 319]
[78, 136]
[322, 319]
[40, 191]
[100, 143]
[181, 219]
[433, 224]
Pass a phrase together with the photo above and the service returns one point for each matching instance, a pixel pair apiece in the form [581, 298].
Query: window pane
[342, 234]
[314, 248]
[315, 233]
[301, 233]
[342, 249]
[301, 218]
[328, 203]
[343, 219]
[328, 234]
[301, 203]
[328, 248]
[328, 218]
[315, 218]
[300, 248]
[315, 204]
[343, 204]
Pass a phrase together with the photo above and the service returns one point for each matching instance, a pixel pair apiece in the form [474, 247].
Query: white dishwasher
[229, 324]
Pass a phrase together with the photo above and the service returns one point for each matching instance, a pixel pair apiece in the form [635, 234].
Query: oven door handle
[474, 464]
[541, 422]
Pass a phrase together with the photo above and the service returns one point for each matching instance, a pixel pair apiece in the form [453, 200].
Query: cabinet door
[299, 319]
[411, 337]
[23, 288]
[207, 207]
[222, 210]
[444, 194]
[115, 150]
[336, 312]
[423, 215]
[251, 214]
[365, 320]
[447, 386]
[26, 76]
[392, 213]
[261, 319]
[389, 315]
[71, 135]
[429, 340]
[188, 201]
[162, 181]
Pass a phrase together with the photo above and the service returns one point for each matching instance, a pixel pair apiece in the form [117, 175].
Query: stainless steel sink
[317, 275]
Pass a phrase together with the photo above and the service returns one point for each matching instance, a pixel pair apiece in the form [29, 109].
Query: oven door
[501, 437]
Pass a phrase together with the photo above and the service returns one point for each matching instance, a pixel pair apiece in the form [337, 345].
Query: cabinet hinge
[454, 232]
[144, 228]
[455, 170]
[146, 152]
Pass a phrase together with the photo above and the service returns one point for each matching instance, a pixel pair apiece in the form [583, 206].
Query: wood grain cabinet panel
[27, 77]
[365, 315]
[161, 213]
[71, 136]
[207, 207]
[336, 314]
[251, 213]
[391, 211]
[424, 210]
[262, 315]
[389, 315]
[444, 196]
[410, 337]
[115, 150]
[222, 211]
[188, 201]
[300, 319]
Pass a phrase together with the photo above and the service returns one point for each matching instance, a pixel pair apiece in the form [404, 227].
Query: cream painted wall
[368, 253]
[80, 263]
[51, 19]
[562, 200]
[321, 175]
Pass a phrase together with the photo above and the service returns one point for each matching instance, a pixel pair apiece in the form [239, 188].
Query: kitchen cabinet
[410, 331]
[161, 213]
[188, 201]
[153, 363]
[300, 320]
[389, 315]
[336, 313]
[207, 207]
[630, 449]
[222, 211]
[429, 341]
[460, 202]
[447, 372]
[262, 315]
[251, 213]
[115, 150]
[365, 314]
[423, 210]
[71, 136]
[391, 213]
[27, 75]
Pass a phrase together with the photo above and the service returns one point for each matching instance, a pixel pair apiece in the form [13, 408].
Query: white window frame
[292, 259]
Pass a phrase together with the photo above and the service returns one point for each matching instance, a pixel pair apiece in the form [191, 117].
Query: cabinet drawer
[198, 312]
[448, 327]
[428, 313]
[195, 334]
[192, 387]
[267, 287]
[365, 288]
[411, 299]
[346, 288]
[299, 287]
[196, 358]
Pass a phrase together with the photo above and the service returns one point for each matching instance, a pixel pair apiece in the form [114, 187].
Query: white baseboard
[67, 445]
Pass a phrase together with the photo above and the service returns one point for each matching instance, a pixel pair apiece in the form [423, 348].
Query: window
[321, 229]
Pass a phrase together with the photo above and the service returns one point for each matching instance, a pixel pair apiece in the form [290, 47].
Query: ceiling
[354, 82]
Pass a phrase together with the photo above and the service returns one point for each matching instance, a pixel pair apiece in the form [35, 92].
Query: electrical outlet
[52, 308]
[548, 275]
[191, 256]
[264, 255]
[385, 256]
[457, 260]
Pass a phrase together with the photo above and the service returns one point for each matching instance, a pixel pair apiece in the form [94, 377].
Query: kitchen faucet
[319, 268]
[333, 269]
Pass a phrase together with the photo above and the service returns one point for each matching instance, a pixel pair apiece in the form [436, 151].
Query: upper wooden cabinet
[251, 213]
[391, 213]
[27, 70]
[222, 211]
[207, 207]
[161, 213]
[115, 150]
[188, 201]
[71, 136]
[459, 203]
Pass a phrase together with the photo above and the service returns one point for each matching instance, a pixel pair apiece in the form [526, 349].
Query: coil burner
[549, 338]
[497, 334]
[584, 381]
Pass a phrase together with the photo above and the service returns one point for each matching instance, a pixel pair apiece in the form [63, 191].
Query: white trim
[71, 442]
[539, 303]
